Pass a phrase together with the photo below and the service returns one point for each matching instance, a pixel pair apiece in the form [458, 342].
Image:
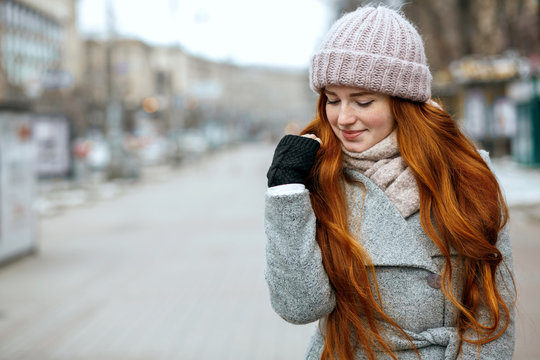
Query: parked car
[192, 144]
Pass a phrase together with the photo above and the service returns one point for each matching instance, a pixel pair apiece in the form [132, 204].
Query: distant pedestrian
[384, 222]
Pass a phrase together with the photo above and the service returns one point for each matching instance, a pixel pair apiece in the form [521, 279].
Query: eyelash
[330, 102]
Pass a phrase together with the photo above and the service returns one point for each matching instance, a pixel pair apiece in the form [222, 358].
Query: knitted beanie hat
[374, 48]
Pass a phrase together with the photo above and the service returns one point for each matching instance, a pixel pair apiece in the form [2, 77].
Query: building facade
[40, 49]
[188, 91]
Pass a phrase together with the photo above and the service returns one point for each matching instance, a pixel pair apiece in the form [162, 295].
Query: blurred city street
[169, 270]
[173, 269]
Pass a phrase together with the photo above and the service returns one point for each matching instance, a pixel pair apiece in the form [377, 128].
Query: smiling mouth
[349, 135]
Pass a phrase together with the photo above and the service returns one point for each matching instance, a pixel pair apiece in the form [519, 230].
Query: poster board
[17, 185]
[51, 136]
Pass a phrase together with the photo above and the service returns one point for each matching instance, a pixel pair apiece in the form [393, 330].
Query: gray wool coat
[406, 263]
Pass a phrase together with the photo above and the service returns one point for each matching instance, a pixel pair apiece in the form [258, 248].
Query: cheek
[331, 115]
[380, 120]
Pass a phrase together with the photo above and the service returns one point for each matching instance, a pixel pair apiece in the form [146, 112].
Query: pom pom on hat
[374, 48]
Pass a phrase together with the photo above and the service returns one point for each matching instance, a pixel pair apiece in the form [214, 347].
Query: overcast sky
[277, 33]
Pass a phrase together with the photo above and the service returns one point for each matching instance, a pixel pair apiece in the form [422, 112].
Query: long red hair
[461, 207]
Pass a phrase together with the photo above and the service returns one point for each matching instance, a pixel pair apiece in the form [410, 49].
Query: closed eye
[332, 102]
[364, 103]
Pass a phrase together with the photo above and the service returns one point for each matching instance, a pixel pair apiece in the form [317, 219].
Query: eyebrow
[327, 92]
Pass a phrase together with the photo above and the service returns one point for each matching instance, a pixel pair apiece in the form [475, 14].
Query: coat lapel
[390, 239]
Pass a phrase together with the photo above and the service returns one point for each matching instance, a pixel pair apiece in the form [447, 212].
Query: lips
[350, 135]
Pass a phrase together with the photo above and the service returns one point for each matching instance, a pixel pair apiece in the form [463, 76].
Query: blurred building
[252, 99]
[40, 51]
[180, 91]
[122, 72]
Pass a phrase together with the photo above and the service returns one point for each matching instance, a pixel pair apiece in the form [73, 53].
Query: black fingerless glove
[293, 159]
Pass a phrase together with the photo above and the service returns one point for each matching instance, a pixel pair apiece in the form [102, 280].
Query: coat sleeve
[300, 291]
[502, 347]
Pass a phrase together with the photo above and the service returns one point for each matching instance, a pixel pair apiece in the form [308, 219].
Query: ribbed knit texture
[375, 49]
[383, 164]
[293, 159]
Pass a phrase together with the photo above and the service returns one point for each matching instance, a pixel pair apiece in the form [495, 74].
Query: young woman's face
[359, 118]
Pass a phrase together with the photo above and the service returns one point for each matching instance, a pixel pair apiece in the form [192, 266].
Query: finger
[312, 136]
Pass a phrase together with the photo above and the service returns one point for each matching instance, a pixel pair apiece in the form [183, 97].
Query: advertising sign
[475, 114]
[17, 185]
[504, 118]
[53, 150]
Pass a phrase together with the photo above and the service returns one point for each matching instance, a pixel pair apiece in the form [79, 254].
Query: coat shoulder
[485, 156]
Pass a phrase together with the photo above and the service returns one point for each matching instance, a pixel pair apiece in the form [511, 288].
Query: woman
[383, 221]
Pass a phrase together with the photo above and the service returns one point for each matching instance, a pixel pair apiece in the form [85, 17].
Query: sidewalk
[56, 195]
[521, 187]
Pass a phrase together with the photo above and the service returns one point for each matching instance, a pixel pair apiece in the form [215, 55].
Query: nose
[346, 116]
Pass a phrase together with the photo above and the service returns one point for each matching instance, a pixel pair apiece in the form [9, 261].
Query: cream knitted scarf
[383, 164]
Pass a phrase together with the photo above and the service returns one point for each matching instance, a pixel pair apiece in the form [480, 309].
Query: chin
[355, 147]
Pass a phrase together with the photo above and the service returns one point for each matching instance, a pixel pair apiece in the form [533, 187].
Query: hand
[312, 136]
[293, 159]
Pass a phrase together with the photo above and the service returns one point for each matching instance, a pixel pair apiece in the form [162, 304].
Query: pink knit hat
[376, 49]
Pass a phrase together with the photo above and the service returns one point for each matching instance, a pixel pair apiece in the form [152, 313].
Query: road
[173, 269]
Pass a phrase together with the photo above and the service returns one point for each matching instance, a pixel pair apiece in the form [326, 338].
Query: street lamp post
[114, 106]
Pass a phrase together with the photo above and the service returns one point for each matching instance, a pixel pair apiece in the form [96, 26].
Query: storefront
[526, 94]
[491, 116]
